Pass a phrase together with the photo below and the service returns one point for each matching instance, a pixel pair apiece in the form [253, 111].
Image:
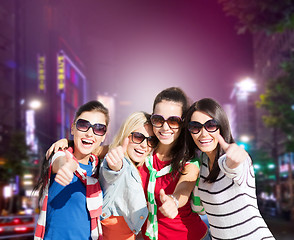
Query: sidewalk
[280, 228]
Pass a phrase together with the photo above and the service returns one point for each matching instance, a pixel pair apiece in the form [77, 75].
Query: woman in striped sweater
[227, 183]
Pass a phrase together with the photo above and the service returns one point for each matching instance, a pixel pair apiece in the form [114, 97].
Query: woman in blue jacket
[124, 206]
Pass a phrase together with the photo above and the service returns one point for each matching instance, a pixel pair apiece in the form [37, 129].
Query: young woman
[165, 172]
[71, 198]
[124, 206]
[227, 184]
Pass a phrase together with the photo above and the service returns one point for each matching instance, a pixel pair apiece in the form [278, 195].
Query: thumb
[68, 156]
[69, 159]
[224, 145]
[125, 144]
[162, 195]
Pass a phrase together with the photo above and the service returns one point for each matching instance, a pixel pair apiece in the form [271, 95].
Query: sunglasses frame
[91, 126]
[204, 125]
[166, 120]
[147, 139]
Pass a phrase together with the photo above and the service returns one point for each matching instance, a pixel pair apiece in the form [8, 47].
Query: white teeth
[87, 141]
[140, 151]
[165, 134]
[205, 141]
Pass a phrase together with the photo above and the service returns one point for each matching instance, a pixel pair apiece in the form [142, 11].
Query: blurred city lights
[256, 166]
[35, 104]
[7, 191]
[245, 138]
[271, 166]
[247, 85]
[27, 176]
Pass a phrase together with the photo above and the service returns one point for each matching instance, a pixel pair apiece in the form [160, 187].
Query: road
[281, 229]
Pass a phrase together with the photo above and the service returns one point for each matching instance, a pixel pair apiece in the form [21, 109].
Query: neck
[163, 152]
[84, 159]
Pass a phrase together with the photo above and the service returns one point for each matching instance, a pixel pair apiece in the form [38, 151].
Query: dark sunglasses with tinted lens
[173, 121]
[210, 126]
[84, 125]
[139, 138]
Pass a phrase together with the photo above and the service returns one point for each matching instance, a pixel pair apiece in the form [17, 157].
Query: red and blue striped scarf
[94, 200]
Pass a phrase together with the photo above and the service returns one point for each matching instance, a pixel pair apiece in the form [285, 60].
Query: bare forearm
[186, 184]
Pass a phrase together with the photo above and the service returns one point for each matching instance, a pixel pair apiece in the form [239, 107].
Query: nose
[144, 143]
[165, 125]
[203, 131]
[90, 132]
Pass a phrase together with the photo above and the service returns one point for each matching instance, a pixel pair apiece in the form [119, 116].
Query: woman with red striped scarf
[71, 198]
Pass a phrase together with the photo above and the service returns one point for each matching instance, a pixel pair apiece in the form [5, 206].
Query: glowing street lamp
[35, 104]
[246, 86]
[244, 138]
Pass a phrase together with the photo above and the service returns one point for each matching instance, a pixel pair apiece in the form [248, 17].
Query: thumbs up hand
[168, 207]
[64, 175]
[235, 154]
[116, 155]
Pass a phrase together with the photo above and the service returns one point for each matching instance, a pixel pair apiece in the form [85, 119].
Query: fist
[168, 207]
[64, 175]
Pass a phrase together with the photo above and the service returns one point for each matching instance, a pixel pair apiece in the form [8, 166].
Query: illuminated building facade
[269, 52]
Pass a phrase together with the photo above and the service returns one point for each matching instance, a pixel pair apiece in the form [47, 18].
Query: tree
[278, 101]
[15, 155]
[261, 15]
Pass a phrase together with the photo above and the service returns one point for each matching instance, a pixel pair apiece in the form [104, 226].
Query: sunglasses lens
[157, 120]
[137, 137]
[152, 141]
[211, 126]
[194, 127]
[82, 125]
[99, 129]
[174, 122]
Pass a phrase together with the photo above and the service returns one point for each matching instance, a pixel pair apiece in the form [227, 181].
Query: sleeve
[57, 155]
[194, 161]
[108, 175]
[239, 174]
[196, 204]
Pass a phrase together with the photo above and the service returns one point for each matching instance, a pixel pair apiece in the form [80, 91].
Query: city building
[269, 52]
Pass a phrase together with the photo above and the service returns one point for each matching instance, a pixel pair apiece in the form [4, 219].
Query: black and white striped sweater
[230, 203]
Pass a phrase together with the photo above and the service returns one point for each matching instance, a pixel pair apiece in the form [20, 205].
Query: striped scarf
[93, 199]
[152, 224]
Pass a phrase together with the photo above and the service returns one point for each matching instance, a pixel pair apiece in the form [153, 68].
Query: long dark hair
[87, 107]
[177, 95]
[214, 110]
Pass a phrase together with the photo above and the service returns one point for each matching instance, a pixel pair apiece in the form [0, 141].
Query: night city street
[57, 55]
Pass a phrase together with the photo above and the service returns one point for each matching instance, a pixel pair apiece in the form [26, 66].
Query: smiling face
[138, 152]
[205, 141]
[166, 135]
[86, 142]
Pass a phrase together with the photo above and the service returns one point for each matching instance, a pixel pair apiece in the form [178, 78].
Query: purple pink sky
[136, 49]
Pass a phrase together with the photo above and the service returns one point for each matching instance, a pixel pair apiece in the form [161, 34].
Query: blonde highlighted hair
[134, 121]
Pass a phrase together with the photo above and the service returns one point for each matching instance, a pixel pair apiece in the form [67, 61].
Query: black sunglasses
[173, 122]
[84, 125]
[210, 126]
[139, 138]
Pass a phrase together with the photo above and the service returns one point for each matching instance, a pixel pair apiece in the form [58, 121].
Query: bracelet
[175, 200]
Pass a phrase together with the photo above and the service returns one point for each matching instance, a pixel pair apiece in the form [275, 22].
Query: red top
[187, 225]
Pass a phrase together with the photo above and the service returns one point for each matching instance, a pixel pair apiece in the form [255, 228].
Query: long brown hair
[87, 107]
[214, 110]
[177, 95]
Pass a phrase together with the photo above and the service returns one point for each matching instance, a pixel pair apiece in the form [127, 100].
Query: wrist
[176, 201]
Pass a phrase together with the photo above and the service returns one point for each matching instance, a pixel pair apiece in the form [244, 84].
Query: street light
[247, 85]
[35, 104]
